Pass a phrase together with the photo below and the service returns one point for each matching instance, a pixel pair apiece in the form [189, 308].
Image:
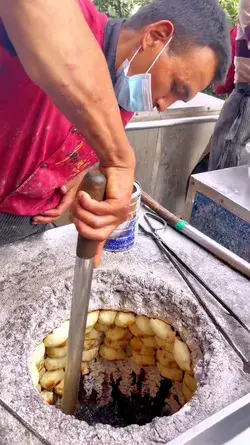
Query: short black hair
[201, 23]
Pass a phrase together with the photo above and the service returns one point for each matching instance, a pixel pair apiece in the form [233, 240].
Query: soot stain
[124, 410]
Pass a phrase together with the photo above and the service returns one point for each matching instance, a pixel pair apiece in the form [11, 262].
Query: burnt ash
[124, 410]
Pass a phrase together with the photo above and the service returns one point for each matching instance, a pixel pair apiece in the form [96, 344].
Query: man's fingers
[67, 187]
[108, 207]
[73, 184]
[44, 220]
[54, 214]
[64, 189]
[68, 191]
[99, 235]
[96, 222]
[66, 202]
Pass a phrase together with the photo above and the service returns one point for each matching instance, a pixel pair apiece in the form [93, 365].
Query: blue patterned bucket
[124, 237]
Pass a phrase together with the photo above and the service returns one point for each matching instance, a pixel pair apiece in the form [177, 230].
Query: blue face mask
[134, 93]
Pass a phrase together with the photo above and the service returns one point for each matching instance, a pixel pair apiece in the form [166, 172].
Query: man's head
[198, 54]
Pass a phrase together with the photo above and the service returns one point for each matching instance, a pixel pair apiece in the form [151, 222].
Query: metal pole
[203, 240]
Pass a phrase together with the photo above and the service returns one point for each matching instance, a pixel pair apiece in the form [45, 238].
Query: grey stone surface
[36, 286]
[11, 429]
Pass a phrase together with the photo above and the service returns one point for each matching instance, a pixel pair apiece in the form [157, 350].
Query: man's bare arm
[60, 54]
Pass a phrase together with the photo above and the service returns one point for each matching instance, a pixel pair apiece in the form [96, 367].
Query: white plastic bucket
[124, 237]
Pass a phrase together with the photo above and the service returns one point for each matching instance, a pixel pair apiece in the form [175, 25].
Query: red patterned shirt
[40, 150]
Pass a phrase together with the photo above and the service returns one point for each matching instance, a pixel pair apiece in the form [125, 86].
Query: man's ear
[157, 33]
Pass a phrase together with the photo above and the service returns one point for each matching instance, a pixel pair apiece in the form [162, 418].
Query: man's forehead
[197, 71]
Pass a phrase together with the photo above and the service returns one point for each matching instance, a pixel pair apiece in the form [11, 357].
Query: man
[232, 130]
[167, 51]
[221, 90]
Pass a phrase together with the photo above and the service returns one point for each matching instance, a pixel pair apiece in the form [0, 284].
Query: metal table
[218, 204]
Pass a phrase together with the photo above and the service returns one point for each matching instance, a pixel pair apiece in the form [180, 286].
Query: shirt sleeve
[228, 86]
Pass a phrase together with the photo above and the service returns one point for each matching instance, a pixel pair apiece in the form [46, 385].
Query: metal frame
[145, 125]
[229, 426]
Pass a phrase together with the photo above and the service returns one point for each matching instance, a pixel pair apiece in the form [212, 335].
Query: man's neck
[128, 42]
[112, 33]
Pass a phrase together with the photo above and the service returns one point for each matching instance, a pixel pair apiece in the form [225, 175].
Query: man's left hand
[68, 192]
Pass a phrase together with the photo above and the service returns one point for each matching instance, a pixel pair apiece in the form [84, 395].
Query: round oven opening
[134, 368]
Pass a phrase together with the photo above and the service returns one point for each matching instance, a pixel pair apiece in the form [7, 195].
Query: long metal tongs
[181, 266]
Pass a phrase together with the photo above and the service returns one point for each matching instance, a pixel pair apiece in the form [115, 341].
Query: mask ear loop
[131, 60]
[157, 57]
[135, 54]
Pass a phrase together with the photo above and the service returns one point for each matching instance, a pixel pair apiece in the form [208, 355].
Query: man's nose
[165, 102]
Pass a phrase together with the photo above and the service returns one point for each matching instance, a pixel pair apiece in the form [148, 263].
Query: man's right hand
[97, 220]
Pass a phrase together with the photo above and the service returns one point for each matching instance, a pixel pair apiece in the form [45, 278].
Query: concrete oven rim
[20, 394]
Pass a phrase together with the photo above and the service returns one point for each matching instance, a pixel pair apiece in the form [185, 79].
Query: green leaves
[119, 8]
[231, 8]
[125, 8]
[116, 8]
